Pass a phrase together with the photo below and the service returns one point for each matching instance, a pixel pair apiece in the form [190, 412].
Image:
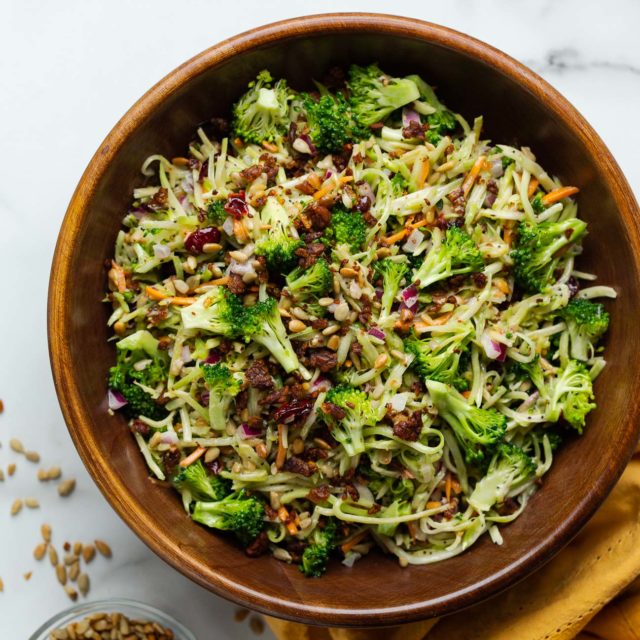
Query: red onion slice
[409, 115]
[245, 431]
[494, 350]
[410, 298]
[377, 333]
[116, 399]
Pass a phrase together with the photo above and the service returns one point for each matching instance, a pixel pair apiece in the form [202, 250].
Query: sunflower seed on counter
[16, 445]
[115, 626]
[66, 487]
[103, 548]
[16, 507]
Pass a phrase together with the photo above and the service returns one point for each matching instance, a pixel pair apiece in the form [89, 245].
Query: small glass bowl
[130, 608]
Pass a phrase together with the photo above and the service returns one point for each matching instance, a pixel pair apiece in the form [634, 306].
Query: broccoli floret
[456, 254]
[392, 273]
[374, 94]
[395, 509]
[328, 120]
[530, 371]
[200, 484]
[277, 245]
[316, 555]
[223, 387]
[238, 512]
[262, 112]
[587, 322]
[313, 282]
[477, 430]
[216, 311]
[399, 185]
[216, 213]
[536, 202]
[358, 413]
[438, 357]
[536, 254]
[509, 469]
[570, 395]
[346, 227]
[125, 378]
[262, 323]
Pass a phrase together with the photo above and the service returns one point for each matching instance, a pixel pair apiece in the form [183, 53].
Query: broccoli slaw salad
[345, 320]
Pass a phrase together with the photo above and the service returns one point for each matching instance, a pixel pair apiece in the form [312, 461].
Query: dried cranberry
[236, 205]
[295, 410]
[196, 240]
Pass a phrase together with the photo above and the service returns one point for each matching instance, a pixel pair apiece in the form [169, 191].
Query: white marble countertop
[69, 70]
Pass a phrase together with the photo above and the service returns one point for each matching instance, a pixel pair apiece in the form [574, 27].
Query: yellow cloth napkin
[589, 591]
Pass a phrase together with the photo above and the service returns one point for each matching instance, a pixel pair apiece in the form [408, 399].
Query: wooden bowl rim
[114, 489]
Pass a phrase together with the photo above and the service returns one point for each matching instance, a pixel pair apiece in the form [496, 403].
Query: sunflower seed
[66, 487]
[71, 592]
[32, 456]
[54, 473]
[32, 503]
[45, 530]
[16, 507]
[88, 553]
[74, 571]
[61, 574]
[53, 556]
[77, 548]
[16, 445]
[83, 583]
[103, 548]
[1, 585]
[27, 576]
[11, 469]
[43, 476]
[1, 475]
[40, 550]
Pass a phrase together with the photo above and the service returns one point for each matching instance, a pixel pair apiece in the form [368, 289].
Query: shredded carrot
[558, 194]
[533, 185]
[192, 457]
[353, 541]
[420, 223]
[424, 173]
[282, 451]
[220, 281]
[473, 174]
[508, 236]
[154, 294]
[396, 237]
[433, 504]
[455, 485]
[269, 146]
[118, 276]
[321, 193]
[240, 231]
[422, 325]
[283, 514]
[466, 393]
[181, 301]
[447, 487]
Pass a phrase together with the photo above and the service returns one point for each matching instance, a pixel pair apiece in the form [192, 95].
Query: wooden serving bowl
[473, 78]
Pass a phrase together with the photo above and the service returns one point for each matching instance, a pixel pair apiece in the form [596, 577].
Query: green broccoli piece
[126, 378]
[238, 512]
[316, 555]
[438, 357]
[346, 227]
[536, 254]
[399, 185]
[393, 274]
[570, 395]
[455, 255]
[223, 387]
[216, 213]
[358, 413]
[262, 324]
[200, 484]
[216, 311]
[313, 282]
[530, 371]
[536, 202]
[509, 470]
[262, 113]
[374, 94]
[278, 245]
[587, 322]
[477, 430]
[329, 121]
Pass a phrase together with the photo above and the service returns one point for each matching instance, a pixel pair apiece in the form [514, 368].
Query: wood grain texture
[473, 78]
